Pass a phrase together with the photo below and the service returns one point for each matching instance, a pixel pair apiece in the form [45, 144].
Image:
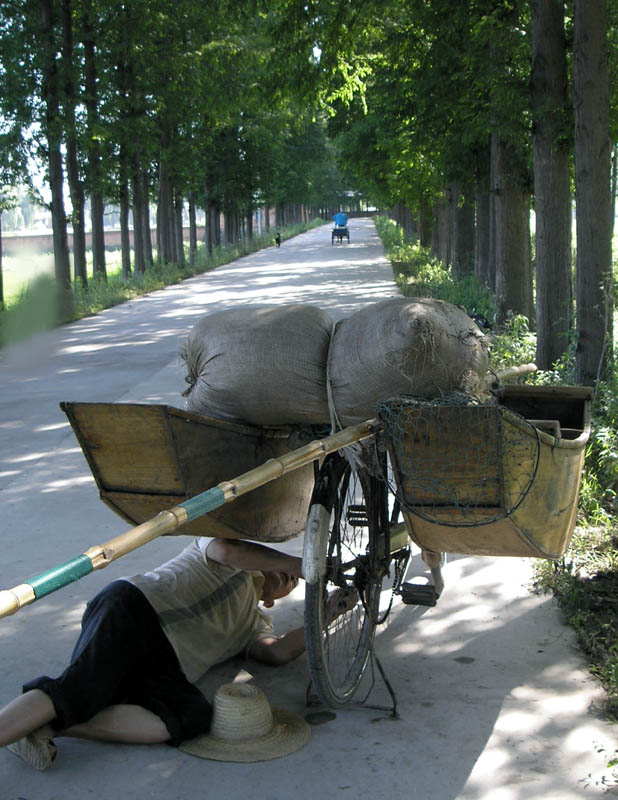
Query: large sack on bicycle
[261, 365]
[423, 347]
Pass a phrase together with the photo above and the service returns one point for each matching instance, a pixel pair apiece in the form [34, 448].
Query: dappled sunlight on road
[55, 427]
[57, 486]
[108, 356]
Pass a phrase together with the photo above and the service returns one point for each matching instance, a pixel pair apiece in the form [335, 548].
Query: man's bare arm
[277, 652]
[274, 651]
[253, 556]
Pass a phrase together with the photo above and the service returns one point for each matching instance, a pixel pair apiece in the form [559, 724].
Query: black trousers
[123, 656]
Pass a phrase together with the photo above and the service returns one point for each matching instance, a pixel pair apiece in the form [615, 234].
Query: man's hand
[339, 602]
[252, 556]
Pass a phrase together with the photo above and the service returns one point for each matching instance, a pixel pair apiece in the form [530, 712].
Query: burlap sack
[262, 365]
[423, 347]
[268, 366]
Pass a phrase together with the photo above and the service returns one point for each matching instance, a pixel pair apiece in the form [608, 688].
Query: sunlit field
[19, 271]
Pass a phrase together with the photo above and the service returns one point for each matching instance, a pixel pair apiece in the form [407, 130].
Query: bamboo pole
[494, 379]
[100, 556]
[508, 373]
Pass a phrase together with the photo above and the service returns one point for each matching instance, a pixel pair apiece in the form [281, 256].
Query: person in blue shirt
[341, 219]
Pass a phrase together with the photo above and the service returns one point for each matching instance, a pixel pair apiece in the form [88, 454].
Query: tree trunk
[445, 227]
[192, 230]
[158, 234]
[435, 233]
[481, 239]
[592, 191]
[613, 190]
[76, 188]
[124, 198]
[249, 222]
[491, 273]
[97, 211]
[179, 236]
[94, 151]
[210, 224]
[217, 223]
[425, 223]
[145, 209]
[78, 215]
[138, 217]
[512, 210]
[551, 140]
[125, 234]
[214, 226]
[166, 217]
[462, 237]
[53, 126]
[229, 222]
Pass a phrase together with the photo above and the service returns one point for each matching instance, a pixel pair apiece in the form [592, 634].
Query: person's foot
[339, 602]
[37, 748]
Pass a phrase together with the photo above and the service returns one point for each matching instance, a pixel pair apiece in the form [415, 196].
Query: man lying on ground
[146, 641]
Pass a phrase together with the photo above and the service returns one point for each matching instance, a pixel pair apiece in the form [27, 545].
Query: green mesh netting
[457, 461]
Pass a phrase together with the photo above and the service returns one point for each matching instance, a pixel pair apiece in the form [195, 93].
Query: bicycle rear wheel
[344, 552]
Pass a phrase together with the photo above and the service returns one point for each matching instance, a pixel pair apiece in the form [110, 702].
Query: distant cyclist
[341, 219]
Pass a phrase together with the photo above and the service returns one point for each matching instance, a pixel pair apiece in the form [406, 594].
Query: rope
[335, 423]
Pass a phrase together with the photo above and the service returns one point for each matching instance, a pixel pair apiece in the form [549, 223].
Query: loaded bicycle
[363, 496]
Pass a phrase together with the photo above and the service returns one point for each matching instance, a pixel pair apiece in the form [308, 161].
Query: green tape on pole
[60, 576]
[203, 503]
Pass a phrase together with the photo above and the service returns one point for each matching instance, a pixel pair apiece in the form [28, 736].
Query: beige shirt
[207, 610]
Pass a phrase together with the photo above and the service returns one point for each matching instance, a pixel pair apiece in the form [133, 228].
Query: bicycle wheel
[344, 553]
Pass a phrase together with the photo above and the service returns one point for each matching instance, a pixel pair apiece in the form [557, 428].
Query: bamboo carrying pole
[99, 556]
[508, 373]
[494, 379]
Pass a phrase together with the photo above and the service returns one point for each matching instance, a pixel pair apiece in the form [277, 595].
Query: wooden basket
[525, 504]
[148, 458]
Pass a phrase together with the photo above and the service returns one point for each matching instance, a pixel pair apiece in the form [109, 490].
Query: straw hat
[245, 728]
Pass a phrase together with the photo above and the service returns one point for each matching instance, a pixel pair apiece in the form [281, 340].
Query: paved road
[494, 700]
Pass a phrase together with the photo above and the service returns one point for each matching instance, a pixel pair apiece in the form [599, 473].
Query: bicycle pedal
[418, 594]
[357, 516]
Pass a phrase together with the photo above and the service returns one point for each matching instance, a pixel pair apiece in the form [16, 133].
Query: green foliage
[33, 311]
[585, 581]
[602, 454]
[418, 273]
[515, 344]
[585, 584]
[390, 233]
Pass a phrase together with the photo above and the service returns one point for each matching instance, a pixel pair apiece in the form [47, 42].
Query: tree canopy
[451, 110]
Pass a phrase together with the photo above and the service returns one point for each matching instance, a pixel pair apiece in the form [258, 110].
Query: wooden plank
[129, 445]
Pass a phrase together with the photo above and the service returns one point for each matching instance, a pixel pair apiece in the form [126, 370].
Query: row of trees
[465, 112]
[168, 101]
[473, 112]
